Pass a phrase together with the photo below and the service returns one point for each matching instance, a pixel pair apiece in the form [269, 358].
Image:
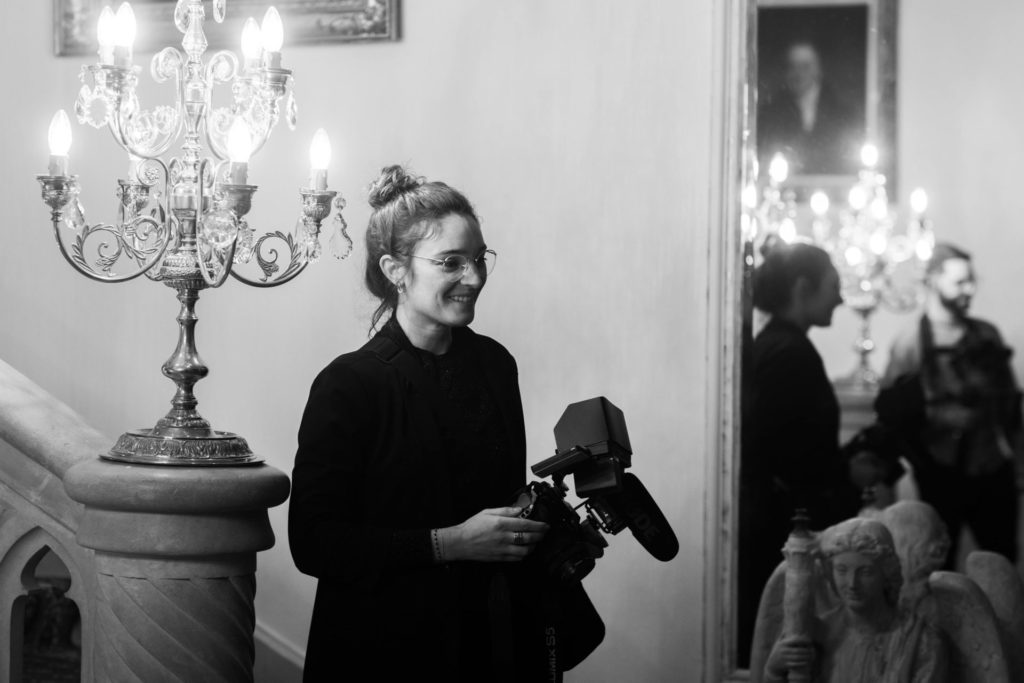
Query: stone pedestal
[176, 559]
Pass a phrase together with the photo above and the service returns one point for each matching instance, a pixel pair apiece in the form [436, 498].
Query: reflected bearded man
[951, 391]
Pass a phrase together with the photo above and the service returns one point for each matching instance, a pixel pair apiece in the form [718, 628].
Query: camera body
[571, 546]
[593, 446]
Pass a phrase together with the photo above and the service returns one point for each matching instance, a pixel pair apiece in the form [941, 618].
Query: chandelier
[880, 258]
[182, 221]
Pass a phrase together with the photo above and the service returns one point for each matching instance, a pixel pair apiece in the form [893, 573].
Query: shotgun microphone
[644, 518]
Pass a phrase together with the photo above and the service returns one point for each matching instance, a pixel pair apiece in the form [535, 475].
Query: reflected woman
[790, 437]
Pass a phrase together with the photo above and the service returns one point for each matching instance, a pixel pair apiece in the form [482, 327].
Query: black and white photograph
[546, 341]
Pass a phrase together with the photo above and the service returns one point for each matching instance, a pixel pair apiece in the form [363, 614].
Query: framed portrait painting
[305, 22]
[826, 86]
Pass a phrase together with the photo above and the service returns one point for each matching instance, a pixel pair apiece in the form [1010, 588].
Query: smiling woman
[411, 451]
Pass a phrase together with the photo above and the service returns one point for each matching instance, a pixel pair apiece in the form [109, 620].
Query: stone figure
[865, 638]
[929, 626]
[952, 603]
[1000, 582]
[922, 544]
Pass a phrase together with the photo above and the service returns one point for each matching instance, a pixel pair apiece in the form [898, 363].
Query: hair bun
[393, 182]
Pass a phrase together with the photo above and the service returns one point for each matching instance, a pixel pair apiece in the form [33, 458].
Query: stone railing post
[175, 555]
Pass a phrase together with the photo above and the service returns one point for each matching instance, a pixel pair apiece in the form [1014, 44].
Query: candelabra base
[862, 378]
[150, 447]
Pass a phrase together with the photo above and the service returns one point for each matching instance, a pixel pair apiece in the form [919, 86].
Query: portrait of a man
[813, 86]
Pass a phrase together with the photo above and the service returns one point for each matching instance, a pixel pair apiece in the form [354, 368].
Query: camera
[592, 445]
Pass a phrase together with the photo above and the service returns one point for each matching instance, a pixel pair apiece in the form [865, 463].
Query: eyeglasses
[456, 265]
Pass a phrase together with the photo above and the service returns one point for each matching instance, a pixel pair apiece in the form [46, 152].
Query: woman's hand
[789, 654]
[494, 535]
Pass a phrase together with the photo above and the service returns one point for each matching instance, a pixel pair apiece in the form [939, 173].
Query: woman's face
[433, 298]
[821, 302]
[859, 581]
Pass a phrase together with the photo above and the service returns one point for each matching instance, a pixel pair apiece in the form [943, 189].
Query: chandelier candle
[190, 232]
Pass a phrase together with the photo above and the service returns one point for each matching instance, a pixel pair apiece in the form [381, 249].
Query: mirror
[823, 129]
[953, 133]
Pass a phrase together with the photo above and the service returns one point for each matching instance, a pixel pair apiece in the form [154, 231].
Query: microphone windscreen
[644, 518]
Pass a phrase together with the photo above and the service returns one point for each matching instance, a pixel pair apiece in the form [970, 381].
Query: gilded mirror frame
[729, 320]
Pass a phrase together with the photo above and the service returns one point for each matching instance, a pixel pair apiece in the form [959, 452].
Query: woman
[411, 451]
[790, 431]
[866, 639]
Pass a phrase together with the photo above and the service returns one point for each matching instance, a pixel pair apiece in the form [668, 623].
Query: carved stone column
[176, 560]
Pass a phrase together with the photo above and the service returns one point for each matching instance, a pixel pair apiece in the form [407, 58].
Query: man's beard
[957, 305]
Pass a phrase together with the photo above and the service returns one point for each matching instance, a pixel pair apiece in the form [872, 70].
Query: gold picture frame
[306, 22]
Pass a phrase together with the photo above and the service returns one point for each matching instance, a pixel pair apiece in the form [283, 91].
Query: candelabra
[879, 263]
[183, 222]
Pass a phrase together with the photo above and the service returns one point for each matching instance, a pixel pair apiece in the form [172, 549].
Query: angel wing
[999, 580]
[968, 625]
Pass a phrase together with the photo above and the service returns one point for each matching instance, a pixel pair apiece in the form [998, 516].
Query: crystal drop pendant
[181, 15]
[81, 104]
[340, 243]
[244, 244]
[291, 111]
[219, 9]
[219, 228]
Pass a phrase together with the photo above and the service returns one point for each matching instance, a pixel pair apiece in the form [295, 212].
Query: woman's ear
[801, 289]
[393, 270]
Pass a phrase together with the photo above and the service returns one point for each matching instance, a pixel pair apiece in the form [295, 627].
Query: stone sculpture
[866, 638]
[900, 621]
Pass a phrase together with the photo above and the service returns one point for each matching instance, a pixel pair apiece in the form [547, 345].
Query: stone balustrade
[161, 560]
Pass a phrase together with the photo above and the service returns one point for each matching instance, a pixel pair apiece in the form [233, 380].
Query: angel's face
[859, 581]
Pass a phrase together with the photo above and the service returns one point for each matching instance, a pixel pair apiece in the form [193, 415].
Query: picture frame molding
[307, 22]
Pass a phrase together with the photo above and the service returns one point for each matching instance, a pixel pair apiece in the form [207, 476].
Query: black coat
[790, 450]
[373, 474]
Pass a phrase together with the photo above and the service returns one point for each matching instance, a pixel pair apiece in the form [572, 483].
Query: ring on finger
[518, 539]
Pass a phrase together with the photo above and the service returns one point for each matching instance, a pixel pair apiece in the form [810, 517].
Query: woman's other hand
[493, 535]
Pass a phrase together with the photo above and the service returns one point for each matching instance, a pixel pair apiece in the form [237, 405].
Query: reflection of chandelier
[880, 260]
[183, 222]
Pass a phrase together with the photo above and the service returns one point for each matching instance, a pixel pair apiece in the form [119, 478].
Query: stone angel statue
[863, 629]
[861, 636]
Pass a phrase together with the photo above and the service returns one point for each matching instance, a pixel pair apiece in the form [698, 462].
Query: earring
[400, 287]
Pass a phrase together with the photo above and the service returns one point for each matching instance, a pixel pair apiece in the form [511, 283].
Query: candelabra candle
[272, 34]
[123, 35]
[59, 138]
[106, 30]
[252, 45]
[319, 160]
[192, 234]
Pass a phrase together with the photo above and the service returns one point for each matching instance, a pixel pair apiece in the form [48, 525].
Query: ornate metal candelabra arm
[303, 248]
[143, 238]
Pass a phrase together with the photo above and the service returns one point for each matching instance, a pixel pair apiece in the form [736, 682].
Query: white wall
[581, 130]
[961, 139]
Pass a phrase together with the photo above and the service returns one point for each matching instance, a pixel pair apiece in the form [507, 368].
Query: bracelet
[435, 536]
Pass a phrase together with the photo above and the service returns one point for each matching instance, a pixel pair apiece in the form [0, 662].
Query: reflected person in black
[807, 120]
[790, 429]
[410, 452]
